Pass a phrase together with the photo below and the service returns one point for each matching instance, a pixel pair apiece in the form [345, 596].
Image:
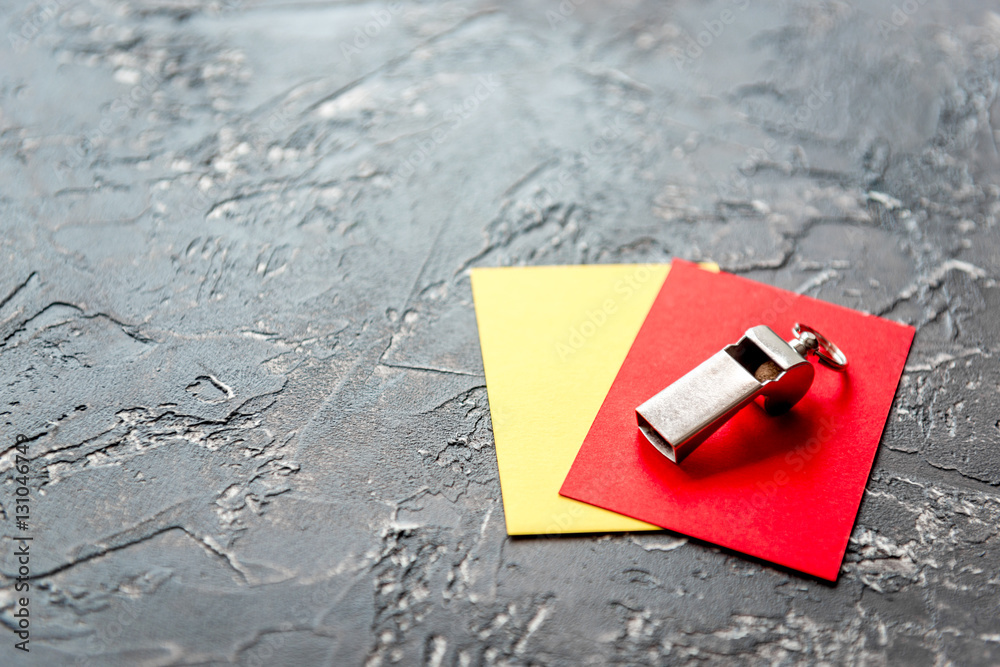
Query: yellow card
[553, 339]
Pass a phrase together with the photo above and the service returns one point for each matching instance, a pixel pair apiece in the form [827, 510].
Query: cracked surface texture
[236, 322]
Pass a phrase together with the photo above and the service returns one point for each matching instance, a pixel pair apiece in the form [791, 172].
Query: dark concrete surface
[236, 323]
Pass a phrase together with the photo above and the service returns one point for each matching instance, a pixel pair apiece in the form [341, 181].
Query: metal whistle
[683, 415]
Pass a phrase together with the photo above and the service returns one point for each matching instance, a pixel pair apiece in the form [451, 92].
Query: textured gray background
[235, 316]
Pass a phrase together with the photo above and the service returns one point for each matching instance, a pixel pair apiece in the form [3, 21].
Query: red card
[785, 489]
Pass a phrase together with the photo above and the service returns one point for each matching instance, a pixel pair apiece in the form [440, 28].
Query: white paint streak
[440, 646]
[533, 625]
[666, 545]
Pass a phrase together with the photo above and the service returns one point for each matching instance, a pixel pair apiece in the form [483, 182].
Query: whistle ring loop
[824, 348]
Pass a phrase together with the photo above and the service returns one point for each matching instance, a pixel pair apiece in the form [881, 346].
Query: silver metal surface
[681, 416]
[760, 364]
[820, 345]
